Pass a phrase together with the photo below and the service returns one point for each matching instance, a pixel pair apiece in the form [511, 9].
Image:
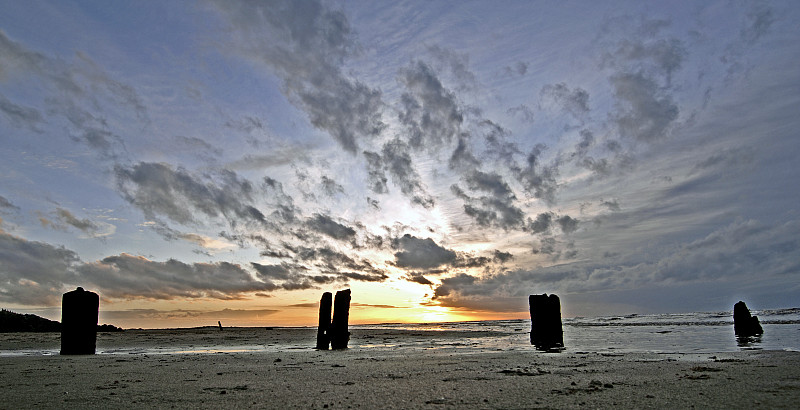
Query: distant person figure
[220, 324]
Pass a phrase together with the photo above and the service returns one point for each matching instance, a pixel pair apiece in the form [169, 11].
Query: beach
[277, 368]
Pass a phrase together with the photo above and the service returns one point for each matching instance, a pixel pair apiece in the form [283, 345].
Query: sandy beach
[204, 368]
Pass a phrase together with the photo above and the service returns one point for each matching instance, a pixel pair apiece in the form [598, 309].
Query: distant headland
[11, 322]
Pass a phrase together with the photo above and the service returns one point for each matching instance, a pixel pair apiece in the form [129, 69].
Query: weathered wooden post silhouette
[745, 325]
[339, 333]
[546, 332]
[323, 336]
[79, 313]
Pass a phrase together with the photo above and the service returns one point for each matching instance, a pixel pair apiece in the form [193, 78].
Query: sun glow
[432, 314]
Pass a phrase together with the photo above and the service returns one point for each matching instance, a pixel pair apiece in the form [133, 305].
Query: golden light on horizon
[397, 301]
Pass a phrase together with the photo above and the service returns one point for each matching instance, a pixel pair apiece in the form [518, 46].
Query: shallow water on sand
[700, 332]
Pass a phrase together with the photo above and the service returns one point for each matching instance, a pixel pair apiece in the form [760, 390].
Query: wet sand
[288, 373]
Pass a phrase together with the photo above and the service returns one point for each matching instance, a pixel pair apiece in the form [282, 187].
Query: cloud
[745, 251]
[327, 226]
[462, 158]
[417, 277]
[457, 63]
[611, 204]
[397, 161]
[744, 247]
[305, 44]
[541, 224]
[567, 224]
[17, 60]
[20, 115]
[726, 158]
[330, 187]
[586, 142]
[199, 147]
[417, 253]
[460, 282]
[277, 156]
[758, 23]
[429, 111]
[537, 179]
[5, 204]
[498, 146]
[207, 242]
[644, 63]
[365, 277]
[645, 113]
[496, 209]
[160, 190]
[575, 102]
[645, 49]
[522, 111]
[34, 273]
[73, 81]
[285, 210]
[63, 219]
[293, 276]
[374, 204]
[666, 55]
[38, 273]
[376, 175]
[247, 124]
[502, 257]
[520, 68]
[128, 276]
[73, 87]
[369, 305]
[123, 93]
[333, 262]
[84, 225]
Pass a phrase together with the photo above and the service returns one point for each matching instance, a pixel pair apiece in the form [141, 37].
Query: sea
[664, 334]
[699, 332]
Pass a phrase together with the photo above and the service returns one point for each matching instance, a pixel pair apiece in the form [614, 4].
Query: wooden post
[339, 334]
[745, 325]
[79, 312]
[323, 331]
[546, 331]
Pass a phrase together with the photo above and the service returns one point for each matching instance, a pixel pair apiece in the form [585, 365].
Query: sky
[196, 161]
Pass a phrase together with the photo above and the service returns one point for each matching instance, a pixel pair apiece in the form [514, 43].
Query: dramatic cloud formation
[33, 272]
[233, 159]
[416, 253]
[305, 43]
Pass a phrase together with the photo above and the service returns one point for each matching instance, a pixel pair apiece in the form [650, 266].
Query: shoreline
[277, 339]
